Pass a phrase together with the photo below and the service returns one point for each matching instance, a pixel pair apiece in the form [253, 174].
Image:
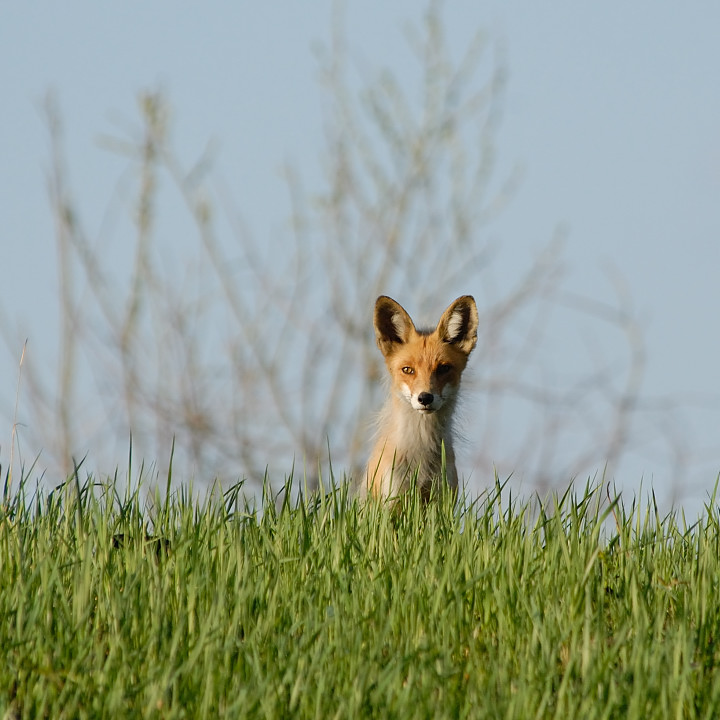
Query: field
[115, 604]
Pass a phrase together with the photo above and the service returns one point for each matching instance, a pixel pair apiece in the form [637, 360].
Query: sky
[611, 115]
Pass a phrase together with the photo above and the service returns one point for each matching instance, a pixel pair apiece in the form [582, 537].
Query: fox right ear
[459, 324]
[393, 325]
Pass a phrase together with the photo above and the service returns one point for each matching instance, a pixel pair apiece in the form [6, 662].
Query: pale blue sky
[612, 111]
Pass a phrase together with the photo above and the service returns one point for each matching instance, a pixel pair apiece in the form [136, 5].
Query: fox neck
[416, 441]
[413, 428]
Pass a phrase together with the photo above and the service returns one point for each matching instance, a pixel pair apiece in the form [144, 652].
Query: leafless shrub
[257, 352]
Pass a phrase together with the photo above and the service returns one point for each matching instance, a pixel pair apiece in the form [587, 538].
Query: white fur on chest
[414, 445]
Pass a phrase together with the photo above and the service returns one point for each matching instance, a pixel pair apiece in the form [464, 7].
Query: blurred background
[201, 203]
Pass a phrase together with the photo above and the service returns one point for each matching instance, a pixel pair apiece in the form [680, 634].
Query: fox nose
[425, 398]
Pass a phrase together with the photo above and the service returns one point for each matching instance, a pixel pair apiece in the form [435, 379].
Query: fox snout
[426, 401]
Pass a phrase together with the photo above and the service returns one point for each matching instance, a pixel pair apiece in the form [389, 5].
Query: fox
[414, 438]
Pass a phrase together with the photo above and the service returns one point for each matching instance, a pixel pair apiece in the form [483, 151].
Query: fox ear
[459, 323]
[393, 325]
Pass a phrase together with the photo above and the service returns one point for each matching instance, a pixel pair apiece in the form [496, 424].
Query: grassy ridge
[324, 609]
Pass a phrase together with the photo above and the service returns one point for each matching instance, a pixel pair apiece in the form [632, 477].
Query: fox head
[425, 365]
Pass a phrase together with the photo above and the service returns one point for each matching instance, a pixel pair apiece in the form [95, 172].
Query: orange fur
[425, 368]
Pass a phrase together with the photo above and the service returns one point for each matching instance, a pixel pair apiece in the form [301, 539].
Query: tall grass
[113, 606]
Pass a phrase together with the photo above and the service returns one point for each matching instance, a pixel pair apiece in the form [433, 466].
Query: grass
[111, 606]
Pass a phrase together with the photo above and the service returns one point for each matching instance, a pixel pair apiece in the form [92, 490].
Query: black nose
[425, 398]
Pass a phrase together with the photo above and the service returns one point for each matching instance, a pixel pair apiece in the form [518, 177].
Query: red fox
[414, 434]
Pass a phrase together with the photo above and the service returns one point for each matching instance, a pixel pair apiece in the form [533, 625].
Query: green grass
[325, 609]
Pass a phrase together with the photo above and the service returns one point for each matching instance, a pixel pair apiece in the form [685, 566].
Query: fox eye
[408, 370]
[443, 369]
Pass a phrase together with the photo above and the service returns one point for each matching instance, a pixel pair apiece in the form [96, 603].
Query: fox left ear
[459, 323]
